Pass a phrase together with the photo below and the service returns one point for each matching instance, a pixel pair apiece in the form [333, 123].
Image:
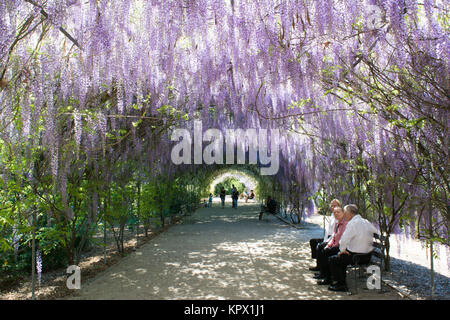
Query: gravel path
[221, 254]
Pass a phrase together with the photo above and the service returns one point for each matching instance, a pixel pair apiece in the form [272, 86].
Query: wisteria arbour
[90, 90]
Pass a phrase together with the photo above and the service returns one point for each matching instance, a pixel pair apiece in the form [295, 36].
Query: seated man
[356, 239]
[318, 243]
[331, 248]
[270, 207]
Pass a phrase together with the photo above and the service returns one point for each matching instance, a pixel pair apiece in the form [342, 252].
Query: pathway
[220, 254]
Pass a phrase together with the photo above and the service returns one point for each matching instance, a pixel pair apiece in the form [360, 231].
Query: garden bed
[53, 283]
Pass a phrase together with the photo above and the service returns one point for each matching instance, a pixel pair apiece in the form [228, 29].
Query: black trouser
[313, 243]
[339, 263]
[322, 259]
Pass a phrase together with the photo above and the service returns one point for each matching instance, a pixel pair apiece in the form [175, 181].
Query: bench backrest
[379, 245]
[278, 208]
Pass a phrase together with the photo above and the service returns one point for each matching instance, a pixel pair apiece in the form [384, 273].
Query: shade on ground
[221, 254]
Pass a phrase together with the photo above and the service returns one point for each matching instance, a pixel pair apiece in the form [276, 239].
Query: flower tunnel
[116, 113]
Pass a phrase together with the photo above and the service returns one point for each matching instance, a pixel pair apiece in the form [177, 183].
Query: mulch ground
[53, 283]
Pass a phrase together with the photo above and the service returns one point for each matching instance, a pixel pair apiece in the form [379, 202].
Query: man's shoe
[318, 276]
[314, 269]
[338, 288]
[324, 282]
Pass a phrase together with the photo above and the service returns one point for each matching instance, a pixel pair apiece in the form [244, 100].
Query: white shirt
[329, 230]
[358, 236]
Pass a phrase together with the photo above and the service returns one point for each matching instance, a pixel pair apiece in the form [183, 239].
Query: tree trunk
[33, 258]
[146, 226]
[121, 234]
[301, 211]
[116, 238]
[71, 249]
[104, 241]
[387, 257]
[430, 209]
[138, 211]
[123, 223]
[84, 237]
[105, 208]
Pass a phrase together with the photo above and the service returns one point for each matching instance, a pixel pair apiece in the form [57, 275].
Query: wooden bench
[264, 210]
[376, 258]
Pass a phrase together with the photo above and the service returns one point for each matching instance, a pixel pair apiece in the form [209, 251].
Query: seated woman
[210, 200]
[320, 243]
[250, 196]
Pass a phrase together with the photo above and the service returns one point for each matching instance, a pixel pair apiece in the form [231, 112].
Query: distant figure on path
[250, 197]
[234, 196]
[222, 197]
[210, 200]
